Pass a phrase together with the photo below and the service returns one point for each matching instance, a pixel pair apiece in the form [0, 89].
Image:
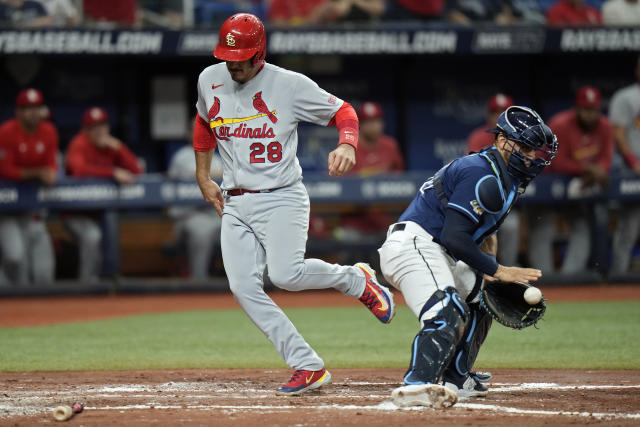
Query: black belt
[398, 227]
[241, 191]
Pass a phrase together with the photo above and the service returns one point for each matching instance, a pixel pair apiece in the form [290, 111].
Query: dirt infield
[356, 397]
[51, 310]
[246, 398]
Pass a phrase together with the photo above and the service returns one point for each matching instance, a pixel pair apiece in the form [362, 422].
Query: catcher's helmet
[525, 127]
[242, 37]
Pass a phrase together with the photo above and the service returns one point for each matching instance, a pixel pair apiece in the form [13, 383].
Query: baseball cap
[588, 97]
[369, 110]
[499, 102]
[29, 98]
[94, 116]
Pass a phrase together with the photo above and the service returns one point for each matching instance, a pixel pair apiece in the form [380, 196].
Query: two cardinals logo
[222, 131]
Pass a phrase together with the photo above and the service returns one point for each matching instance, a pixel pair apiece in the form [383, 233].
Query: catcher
[443, 246]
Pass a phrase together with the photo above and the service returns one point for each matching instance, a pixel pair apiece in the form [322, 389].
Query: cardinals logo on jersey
[223, 131]
[261, 106]
[215, 109]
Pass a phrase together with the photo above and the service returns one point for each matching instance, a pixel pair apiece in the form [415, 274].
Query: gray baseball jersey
[625, 111]
[255, 123]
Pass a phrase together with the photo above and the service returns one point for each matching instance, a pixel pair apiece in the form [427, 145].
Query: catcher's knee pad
[468, 348]
[435, 344]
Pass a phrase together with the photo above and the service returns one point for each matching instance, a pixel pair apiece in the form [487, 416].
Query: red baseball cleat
[377, 298]
[303, 381]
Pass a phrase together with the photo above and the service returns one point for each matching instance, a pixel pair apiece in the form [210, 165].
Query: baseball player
[95, 153]
[251, 110]
[585, 154]
[624, 114]
[28, 152]
[445, 242]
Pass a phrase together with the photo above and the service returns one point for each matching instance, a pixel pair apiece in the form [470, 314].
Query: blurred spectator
[211, 13]
[479, 138]
[621, 12]
[62, 12]
[501, 12]
[111, 13]
[377, 153]
[315, 12]
[28, 149]
[24, 14]
[624, 113]
[163, 13]
[572, 12]
[197, 228]
[585, 151]
[414, 9]
[94, 153]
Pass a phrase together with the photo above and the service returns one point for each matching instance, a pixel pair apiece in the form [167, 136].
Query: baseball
[532, 295]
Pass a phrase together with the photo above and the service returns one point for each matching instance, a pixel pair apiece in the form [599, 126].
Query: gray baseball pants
[270, 229]
[26, 250]
[201, 232]
[88, 235]
[624, 238]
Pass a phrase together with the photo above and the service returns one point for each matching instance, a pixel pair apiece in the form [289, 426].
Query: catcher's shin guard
[435, 344]
[467, 350]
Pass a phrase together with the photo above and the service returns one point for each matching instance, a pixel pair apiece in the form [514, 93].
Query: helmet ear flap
[260, 54]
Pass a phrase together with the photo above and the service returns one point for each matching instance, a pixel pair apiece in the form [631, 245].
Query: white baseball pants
[270, 229]
[417, 266]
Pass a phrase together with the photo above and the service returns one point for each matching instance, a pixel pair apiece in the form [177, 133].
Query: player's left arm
[343, 158]
[313, 104]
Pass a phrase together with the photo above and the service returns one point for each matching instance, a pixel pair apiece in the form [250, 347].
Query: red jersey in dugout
[564, 13]
[21, 150]
[85, 159]
[577, 148]
[479, 138]
[384, 157]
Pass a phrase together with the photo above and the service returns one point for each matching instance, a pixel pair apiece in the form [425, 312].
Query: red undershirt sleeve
[203, 138]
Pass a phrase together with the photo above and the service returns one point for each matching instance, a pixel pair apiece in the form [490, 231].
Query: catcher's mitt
[505, 303]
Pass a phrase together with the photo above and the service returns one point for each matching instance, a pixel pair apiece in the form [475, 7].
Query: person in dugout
[95, 153]
[28, 152]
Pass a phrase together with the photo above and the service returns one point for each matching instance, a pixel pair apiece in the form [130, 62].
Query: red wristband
[348, 134]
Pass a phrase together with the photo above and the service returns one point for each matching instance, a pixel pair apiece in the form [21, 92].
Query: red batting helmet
[242, 37]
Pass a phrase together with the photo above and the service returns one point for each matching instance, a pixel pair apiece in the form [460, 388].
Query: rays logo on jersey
[476, 207]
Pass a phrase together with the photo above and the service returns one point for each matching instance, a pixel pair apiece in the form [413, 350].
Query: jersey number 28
[274, 152]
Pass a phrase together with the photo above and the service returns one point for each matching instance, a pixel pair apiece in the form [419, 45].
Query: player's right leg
[244, 263]
[89, 237]
[416, 265]
[42, 259]
[201, 230]
[282, 221]
[13, 250]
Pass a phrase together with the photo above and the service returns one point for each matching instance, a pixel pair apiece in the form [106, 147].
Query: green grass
[573, 335]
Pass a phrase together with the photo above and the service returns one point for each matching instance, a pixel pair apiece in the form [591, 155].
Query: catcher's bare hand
[212, 194]
[342, 160]
[517, 274]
